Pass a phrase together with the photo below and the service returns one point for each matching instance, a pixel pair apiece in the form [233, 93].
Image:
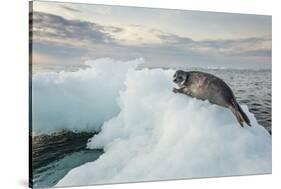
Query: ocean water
[253, 88]
[55, 155]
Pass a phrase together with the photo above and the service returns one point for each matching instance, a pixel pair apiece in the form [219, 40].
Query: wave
[159, 135]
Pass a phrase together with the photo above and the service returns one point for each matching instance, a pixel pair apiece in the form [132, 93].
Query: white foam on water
[159, 135]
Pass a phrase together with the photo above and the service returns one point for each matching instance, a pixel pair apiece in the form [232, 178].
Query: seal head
[179, 77]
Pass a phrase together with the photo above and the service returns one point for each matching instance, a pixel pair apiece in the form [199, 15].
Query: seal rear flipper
[240, 115]
[237, 115]
[243, 115]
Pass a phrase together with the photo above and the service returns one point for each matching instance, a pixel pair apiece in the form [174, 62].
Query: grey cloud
[175, 39]
[48, 26]
[233, 42]
[59, 50]
[114, 29]
[242, 47]
[50, 33]
[233, 47]
[69, 9]
[257, 53]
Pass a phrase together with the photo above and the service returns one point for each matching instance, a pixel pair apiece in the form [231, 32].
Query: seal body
[205, 86]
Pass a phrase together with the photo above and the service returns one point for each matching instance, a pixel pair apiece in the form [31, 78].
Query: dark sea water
[53, 156]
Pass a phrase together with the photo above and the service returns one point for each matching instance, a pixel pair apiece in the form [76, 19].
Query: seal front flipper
[180, 90]
[183, 90]
[175, 90]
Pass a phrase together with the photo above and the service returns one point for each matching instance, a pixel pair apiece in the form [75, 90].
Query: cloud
[52, 28]
[254, 46]
[69, 9]
[175, 39]
[261, 52]
[253, 42]
[114, 29]
[75, 41]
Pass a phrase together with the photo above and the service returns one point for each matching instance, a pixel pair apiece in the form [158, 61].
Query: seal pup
[205, 86]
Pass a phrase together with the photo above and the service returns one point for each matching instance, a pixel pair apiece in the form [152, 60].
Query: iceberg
[78, 101]
[156, 134]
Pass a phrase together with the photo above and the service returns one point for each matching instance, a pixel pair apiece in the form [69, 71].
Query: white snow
[159, 135]
[78, 101]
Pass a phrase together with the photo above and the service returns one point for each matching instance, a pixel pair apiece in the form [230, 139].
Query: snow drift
[159, 135]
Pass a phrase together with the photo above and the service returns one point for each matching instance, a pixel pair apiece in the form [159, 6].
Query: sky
[65, 35]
